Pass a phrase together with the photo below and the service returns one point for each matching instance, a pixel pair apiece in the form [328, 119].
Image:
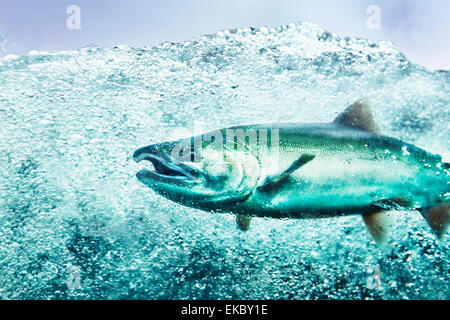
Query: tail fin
[438, 219]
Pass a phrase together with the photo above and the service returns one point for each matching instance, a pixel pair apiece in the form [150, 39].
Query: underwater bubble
[69, 195]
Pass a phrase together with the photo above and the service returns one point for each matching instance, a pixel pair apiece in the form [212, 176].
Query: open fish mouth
[164, 168]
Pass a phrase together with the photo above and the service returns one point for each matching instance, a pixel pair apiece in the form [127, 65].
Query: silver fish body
[301, 171]
[352, 170]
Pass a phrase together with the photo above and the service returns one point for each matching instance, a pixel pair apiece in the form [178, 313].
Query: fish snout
[146, 152]
[165, 167]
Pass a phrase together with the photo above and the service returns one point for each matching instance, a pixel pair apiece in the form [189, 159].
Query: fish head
[203, 175]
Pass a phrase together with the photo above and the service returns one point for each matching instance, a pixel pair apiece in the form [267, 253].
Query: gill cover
[231, 175]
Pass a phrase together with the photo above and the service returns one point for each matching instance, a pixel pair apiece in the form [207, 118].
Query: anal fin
[243, 222]
[378, 225]
[438, 219]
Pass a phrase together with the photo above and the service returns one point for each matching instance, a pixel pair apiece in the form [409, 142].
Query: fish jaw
[166, 169]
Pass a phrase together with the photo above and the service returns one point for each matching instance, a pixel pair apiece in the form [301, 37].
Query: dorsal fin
[358, 115]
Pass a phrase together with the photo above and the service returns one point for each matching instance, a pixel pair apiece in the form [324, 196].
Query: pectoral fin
[378, 225]
[243, 222]
[438, 219]
[271, 182]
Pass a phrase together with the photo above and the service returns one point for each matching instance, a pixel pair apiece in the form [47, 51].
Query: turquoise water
[76, 224]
